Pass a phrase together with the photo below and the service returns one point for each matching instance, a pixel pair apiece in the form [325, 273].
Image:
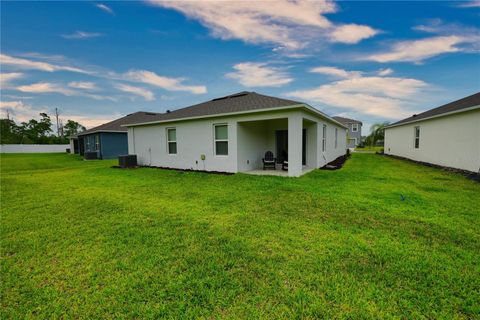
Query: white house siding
[331, 152]
[252, 144]
[451, 141]
[250, 136]
[72, 148]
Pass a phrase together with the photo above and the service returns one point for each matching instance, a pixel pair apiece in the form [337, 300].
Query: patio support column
[295, 126]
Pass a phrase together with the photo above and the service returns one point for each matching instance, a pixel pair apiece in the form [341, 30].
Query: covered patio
[292, 140]
[278, 172]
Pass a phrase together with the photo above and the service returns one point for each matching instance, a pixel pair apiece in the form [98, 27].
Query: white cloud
[46, 87]
[336, 72]
[82, 35]
[385, 72]
[12, 96]
[19, 111]
[289, 24]
[53, 58]
[142, 76]
[10, 104]
[388, 97]
[6, 78]
[91, 121]
[105, 8]
[251, 74]
[146, 94]
[22, 112]
[36, 65]
[49, 87]
[419, 50]
[171, 84]
[352, 33]
[469, 4]
[83, 85]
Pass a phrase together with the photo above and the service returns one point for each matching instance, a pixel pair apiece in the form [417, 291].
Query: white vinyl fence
[33, 148]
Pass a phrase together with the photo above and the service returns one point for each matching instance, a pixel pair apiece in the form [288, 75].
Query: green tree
[44, 126]
[35, 131]
[9, 132]
[71, 128]
[377, 133]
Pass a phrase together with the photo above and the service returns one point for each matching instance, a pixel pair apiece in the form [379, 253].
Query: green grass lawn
[369, 148]
[82, 240]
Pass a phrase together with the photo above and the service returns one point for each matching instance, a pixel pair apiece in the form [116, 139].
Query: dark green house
[109, 140]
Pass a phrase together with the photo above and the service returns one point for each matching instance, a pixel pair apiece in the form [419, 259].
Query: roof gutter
[434, 117]
[98, 131]
[294, 106]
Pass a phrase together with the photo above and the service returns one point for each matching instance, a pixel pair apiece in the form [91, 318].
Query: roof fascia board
[294, 106]
[435, 116]
[98, 131]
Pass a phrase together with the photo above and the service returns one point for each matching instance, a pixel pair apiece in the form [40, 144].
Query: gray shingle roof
[346, 120]
[458, 105]
[117, 125]
[238, 102]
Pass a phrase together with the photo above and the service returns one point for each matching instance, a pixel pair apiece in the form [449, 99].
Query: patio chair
[269, 160]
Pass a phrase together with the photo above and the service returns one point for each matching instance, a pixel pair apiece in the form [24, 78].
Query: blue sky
[372, 61]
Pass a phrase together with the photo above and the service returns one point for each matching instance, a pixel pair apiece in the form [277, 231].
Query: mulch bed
[468, 174]
[176, 169]
[337, 163]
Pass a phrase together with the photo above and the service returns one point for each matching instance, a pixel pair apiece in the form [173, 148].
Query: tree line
[377, 134]
[37, 131]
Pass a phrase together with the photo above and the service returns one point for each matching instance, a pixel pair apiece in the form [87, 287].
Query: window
[354, 127]
[97, 142]
[172, 140]
[417, 137]
[324, 138]
[87, 143]
[336, 137]
[221, 139]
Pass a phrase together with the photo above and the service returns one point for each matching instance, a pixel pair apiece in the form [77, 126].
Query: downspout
[133, 139]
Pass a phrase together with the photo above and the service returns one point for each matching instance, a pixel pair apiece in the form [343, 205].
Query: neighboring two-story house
[354, 133]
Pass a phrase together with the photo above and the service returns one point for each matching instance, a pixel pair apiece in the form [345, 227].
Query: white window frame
[324, 138]
[172, 141]
[336, 138]
[416, 138]
[354, 127]
[87, 143]
[97, 142]
[215, 140]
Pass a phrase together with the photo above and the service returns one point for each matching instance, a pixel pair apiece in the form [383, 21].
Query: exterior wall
[248, 141]
[355, 138]
[253, 141]
[331, 152]
[72, 146]
[113, 144]
[89, 144]
[451, 141]
[33, 148]
[194, 139]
